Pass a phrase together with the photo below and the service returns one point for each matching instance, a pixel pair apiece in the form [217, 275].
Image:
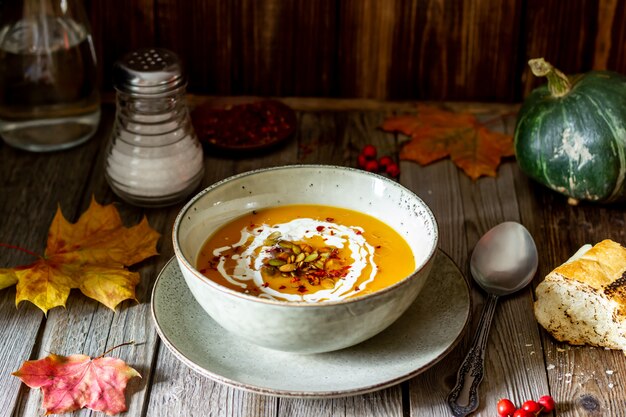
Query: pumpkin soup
[306, 253]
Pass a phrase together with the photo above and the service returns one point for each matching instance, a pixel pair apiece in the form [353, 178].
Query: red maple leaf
[73, 382]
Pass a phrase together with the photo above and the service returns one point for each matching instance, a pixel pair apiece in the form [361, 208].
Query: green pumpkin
[571, 134]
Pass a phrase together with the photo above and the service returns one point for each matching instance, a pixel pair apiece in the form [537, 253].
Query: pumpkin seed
[296, 249]
[300, 256]
[274, 235]
[272, 239]
[276, 262]
[285, 244]
[287, 268]
[310, 258]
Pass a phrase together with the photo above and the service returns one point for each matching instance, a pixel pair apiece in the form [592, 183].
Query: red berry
[369, 151]
[393, 170]
[520, 412]
[531, 406]
[361, 161]
[547, 402]
[384, 162]
[505, 408]
[371, 166]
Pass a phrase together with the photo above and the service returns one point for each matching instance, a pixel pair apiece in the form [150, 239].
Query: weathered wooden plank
[583, 380]
[401, 49]
[268, 47]
[365, 43]
[479, 206]
[552, 31]
[449, 50]
[87, 327]
[438, 186]
[119, 27]
[31, 187]
[385, 403]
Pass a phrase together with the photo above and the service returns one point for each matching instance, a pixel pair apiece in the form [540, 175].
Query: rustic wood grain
[400, 49]
[553, 32]
[31, 189]
[523, 361]
[455, 50]
[583, 380]
[118, 27]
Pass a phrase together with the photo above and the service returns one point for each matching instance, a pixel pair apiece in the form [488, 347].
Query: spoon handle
[463, 399]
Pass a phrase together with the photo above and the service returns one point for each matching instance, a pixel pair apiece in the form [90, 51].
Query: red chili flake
[319, 228]
[294, 279]
[302, 289]
[357, 288]
[358, 232]
[244, 126]
[252, 226]
[259, 230]
[332, 233]
[378, 247]
[282, 287]
[330, 219]
[203, 271]
[266, 284]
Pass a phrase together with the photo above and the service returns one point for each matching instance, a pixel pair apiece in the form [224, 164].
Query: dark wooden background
[386, 49]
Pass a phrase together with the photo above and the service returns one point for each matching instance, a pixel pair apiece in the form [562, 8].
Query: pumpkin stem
[558, 83]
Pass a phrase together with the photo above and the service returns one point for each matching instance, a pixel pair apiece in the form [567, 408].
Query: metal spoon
[504, 261]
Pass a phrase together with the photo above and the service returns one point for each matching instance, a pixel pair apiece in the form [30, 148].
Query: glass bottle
[154, 157]
[49, 97]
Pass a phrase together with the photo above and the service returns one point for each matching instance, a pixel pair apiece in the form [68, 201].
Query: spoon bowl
[504, 261]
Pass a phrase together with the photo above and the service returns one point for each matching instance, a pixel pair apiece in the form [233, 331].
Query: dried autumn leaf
[89, 255]
[437, 133]
[7, 278]
[78, 381]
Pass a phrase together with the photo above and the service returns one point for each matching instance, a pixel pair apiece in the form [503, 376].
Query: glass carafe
[49, 96]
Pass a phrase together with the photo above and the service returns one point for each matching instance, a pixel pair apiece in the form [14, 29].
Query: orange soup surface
[306, 253]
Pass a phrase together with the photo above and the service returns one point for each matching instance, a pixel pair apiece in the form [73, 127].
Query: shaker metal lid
[148, 71]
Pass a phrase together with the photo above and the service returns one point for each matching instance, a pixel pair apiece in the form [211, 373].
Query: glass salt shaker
[153, 156]
[49, 98]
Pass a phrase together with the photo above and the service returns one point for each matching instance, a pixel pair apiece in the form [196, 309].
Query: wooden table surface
[523, 361]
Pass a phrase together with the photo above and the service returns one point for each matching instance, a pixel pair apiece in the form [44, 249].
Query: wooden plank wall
[473, 50]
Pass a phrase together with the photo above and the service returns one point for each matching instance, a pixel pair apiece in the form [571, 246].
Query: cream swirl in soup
[256, 253]
[306, 253]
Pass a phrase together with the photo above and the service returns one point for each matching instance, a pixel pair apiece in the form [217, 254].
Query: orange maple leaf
[437, 133]
[78, 381]
[89, 255]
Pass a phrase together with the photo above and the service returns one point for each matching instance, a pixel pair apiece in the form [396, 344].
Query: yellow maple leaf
[89, 255]
[437, 133]
[7, 278]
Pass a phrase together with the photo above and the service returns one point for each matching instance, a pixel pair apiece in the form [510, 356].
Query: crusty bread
[583, 301]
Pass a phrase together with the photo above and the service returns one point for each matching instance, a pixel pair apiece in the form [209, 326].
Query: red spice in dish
[244, 126]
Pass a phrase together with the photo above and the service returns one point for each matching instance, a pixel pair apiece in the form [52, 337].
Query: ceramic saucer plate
[428, 330]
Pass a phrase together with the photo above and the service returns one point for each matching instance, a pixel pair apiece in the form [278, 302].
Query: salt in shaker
[153, 157]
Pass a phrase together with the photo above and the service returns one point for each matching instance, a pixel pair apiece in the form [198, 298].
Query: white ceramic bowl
[300, 326]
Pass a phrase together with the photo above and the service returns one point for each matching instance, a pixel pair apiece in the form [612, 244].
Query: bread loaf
[583, 301]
